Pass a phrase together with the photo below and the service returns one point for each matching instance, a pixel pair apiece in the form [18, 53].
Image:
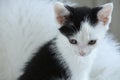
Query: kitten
[39, 41]
[70, 55]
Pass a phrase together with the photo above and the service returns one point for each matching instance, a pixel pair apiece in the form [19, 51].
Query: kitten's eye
[92, 42]
[73, 41]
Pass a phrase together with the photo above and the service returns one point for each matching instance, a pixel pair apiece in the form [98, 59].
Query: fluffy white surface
[24, 26]
[107, 63]
[27, 24]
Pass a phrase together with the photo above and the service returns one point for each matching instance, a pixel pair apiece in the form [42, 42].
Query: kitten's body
[25, 26]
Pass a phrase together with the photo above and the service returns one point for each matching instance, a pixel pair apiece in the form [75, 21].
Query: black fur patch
[76, 17]
[45, 66]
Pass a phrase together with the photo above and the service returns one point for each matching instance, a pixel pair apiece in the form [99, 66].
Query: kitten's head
[84, 27]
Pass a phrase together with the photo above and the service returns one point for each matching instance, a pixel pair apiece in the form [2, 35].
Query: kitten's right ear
[61, 12]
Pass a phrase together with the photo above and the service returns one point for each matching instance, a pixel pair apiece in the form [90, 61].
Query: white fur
[107, 62]
[25, 25]
[79, 66]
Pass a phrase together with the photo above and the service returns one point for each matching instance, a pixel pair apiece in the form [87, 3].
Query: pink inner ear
[60, 12]
[103, 18]
[104, 14]
[61, 19]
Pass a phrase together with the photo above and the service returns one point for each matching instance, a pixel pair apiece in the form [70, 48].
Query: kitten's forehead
[78, 16]
[86, 28]
[88, 32]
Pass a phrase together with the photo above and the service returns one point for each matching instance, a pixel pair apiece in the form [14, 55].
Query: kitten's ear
[105, 13]
[61, 12]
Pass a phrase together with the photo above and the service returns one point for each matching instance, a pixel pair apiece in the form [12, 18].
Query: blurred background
[115, 25]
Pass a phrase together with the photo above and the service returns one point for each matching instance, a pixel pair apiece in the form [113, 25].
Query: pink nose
[82, 53]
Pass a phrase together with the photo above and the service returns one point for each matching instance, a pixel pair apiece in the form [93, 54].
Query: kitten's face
[86, 39]
[84, 27]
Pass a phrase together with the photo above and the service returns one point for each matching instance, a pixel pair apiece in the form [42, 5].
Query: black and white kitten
[35, 50]
[70, 55]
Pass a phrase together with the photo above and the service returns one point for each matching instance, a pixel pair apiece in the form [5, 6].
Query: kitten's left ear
[61, 12]
[105, 13]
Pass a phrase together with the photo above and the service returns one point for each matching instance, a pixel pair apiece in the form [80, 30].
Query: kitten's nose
[82, 53]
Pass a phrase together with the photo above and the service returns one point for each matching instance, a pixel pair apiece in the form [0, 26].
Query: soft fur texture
[26, 25]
